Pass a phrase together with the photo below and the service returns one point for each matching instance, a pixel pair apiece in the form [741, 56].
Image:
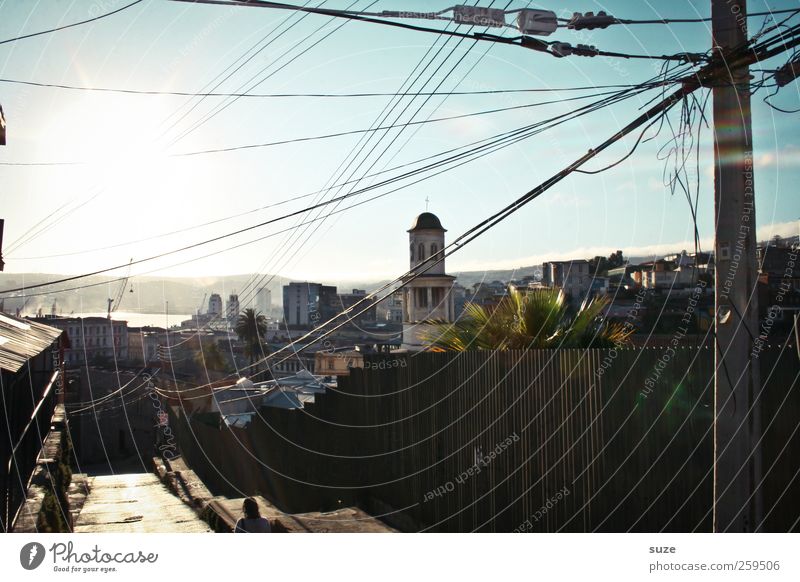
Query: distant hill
[149, 294]
[185, 294]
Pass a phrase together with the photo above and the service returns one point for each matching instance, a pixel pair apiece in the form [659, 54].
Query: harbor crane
[113, 304]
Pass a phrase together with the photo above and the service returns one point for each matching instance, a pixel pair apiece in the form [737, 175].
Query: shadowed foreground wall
[543, 440]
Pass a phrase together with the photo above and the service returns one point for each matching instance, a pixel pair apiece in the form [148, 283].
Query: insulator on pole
[539, 22]
[590, 20]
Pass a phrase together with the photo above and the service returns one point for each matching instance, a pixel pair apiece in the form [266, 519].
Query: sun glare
[116, 146]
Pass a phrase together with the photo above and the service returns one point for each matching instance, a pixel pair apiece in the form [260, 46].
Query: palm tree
[539, 318]
[251, 327]
[210, 357]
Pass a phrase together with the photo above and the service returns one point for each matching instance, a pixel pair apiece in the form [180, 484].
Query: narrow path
[135, 503]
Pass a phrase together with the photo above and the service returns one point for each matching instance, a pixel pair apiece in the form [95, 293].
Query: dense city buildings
[215, 304]
[358, 300]
[264, 300]
[308, 304]
[574, 277]
[92, 339]
[394, 307]
[232, 309]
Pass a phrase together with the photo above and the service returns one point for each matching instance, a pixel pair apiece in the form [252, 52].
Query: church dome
[426, 221]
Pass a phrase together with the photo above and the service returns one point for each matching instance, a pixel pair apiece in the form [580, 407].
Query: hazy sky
[129, 187]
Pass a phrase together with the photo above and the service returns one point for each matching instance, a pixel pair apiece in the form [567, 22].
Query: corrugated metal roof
[21, 339]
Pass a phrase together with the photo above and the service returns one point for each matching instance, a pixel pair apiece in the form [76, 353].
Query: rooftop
[426, 221]
[22, 339]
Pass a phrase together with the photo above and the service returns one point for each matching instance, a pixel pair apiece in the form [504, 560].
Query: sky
[123, 190]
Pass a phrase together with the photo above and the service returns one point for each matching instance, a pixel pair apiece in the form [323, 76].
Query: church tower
[427, 297]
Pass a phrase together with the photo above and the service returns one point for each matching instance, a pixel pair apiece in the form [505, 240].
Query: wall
[543, 440]
[110, 432]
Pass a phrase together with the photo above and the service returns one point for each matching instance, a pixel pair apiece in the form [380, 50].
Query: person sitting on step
[252, 522]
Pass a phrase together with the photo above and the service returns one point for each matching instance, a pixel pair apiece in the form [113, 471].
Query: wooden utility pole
[737, 426]
[2, 263]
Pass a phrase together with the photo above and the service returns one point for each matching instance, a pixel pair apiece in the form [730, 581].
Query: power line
[252, 281]
[244, 60]
[446, 96]
[220, 108]
[69, 163]
[472, 233]
[302, 95]
[674, 20]
[337, 134]
[71, 25]
[96, 401]
[395, 125]
[508, 137]
[359, 147]
[248, 59]
[201, 95]
[416, 94]
[378, 121]
[513, 136]
[390, 284]
[351, 16]
[521, 41]
[690, 85]
[491, 141]
[592, 153]
[54, 219]
[331, 331]
[275, 60]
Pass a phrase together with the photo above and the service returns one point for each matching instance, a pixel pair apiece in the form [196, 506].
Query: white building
[264, 300]
[91, 338]
[309, 304]
[573, 277]
[215, 304]
[232, 308]
[394, 307]
[676, 279]
[427, 297]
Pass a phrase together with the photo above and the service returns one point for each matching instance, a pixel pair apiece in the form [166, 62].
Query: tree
[599, 266]
[251, 327]
[210, 357]
[539, 318]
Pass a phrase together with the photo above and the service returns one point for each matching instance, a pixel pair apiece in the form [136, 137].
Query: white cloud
[783, 229]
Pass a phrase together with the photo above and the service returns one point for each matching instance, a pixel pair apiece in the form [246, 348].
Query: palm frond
[538, 318]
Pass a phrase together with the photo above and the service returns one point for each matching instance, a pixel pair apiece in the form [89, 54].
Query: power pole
[2, 263]
[737, 426]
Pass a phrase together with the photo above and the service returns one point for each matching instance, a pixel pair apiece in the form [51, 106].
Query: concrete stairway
[135, 503]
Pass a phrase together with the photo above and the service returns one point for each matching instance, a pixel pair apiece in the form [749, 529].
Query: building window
[438, 295]
[421, 252]
[422, 297]
[434, 249]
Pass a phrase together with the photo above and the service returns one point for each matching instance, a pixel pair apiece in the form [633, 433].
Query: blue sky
[132, 190]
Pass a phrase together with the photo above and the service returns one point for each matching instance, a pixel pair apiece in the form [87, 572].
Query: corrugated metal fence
[540, 440]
